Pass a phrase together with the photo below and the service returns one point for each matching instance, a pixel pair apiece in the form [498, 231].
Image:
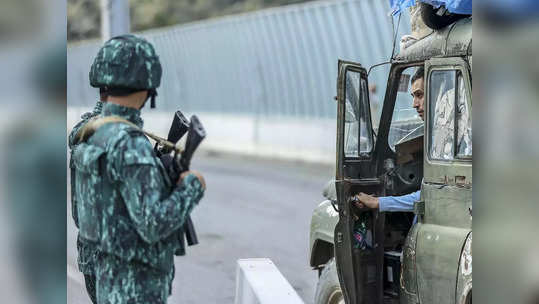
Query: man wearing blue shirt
[404, 202]
[389, 203]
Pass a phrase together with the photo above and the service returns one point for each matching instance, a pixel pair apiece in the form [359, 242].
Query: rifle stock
[180, 126]
[194, 138]
[175, 167]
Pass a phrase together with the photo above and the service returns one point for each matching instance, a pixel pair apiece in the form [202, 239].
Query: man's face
[419, 96]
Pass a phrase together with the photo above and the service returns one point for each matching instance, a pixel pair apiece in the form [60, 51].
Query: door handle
[334, 205]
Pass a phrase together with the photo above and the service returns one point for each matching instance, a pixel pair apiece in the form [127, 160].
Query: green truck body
[429, 249]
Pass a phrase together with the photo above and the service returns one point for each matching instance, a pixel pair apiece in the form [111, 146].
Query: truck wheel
[434, 21]
[328, 289]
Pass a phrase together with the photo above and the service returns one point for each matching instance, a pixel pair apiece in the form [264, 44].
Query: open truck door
[359, 231]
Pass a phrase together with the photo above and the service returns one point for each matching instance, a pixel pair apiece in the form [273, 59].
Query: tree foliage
[83, 16]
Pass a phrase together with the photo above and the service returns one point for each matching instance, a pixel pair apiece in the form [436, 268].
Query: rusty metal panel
[437, 259]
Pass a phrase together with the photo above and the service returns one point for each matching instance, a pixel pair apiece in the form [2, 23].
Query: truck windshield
[405, 120]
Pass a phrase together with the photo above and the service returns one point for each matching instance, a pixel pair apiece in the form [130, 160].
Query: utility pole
[114, 18]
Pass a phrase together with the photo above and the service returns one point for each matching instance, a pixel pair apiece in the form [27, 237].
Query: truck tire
[328, 289]
[435, 22]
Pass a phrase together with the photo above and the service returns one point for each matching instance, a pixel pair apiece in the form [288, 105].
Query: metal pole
[114, 18]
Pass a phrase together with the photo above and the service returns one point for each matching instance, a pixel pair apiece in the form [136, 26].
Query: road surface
[252, 208]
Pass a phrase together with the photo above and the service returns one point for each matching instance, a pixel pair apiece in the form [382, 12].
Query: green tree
[83, 16]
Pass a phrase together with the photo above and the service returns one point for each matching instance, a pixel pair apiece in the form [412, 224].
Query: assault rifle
[175, 165]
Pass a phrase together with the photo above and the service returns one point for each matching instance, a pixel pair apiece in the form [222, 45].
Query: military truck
[422, 256]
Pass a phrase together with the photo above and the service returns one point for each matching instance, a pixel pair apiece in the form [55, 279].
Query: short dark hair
[419, 73]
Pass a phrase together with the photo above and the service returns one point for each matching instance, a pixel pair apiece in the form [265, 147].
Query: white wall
[309, 140]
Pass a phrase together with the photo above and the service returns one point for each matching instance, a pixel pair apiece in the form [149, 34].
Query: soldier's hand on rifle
[363, 200]
[197, 174]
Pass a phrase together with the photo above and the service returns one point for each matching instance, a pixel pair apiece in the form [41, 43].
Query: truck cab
[418, 256]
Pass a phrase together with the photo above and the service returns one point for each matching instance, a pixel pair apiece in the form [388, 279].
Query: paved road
[252, 208]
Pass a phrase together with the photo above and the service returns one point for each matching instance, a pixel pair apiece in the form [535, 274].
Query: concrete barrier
[258, 281]
[296, 139]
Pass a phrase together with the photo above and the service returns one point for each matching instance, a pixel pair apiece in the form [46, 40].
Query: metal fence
[280, 61]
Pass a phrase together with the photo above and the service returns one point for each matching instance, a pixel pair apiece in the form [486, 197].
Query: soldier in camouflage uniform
[126, 203]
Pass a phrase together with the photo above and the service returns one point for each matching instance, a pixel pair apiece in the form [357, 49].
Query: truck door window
[405, 122]
[444, 106]
[464, 121]
[357, 127]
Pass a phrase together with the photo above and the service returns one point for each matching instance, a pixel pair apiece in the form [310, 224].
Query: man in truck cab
[404, 202]
[443, 130]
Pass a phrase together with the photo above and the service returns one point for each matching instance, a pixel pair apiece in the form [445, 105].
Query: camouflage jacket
[84, 119]
[126, 201]
[71, 143]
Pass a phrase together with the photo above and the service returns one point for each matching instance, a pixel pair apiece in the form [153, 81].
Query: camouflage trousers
[119, 282]
[89, 281]
[87, 254]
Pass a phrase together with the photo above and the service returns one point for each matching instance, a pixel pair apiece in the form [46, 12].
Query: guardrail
[258, 281]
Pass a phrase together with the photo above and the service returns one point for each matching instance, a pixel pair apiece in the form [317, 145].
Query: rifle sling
[95, 123]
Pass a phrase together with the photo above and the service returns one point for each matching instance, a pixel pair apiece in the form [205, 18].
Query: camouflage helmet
[126, 64]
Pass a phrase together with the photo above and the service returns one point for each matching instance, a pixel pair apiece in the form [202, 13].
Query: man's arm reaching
[388, 203]
[398, 203]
